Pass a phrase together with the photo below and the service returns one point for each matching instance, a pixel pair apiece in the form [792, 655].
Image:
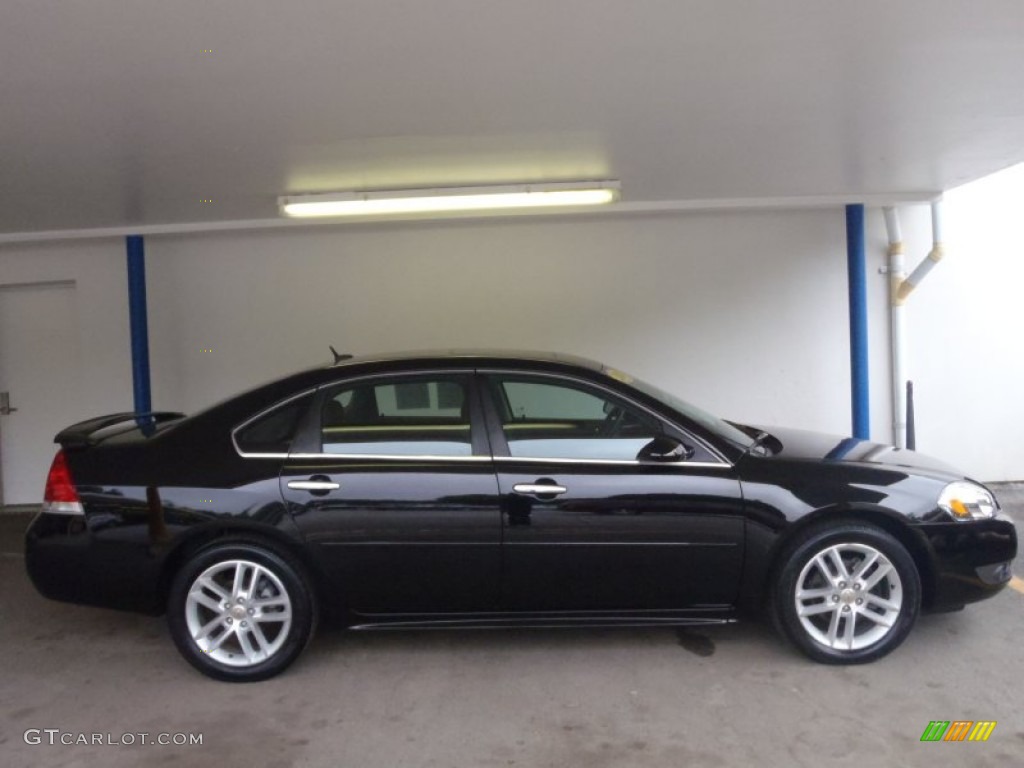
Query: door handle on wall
[5, 404]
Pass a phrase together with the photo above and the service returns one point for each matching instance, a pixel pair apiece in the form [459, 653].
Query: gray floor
[720, 697]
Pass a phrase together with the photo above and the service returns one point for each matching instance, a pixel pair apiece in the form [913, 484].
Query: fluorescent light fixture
[449, 199]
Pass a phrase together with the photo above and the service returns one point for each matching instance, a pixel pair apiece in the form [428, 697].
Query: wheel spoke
[270, 602]
[833, 629]
[207, 628]
[212, 586]
[881, 602]
[276, 617]
[206, 601]
[228, 631]
[254, 579]
[811, 594]
[880, 573]
[261, 638]
[864, 565]
[246, 644]
[822, 566]
[849, 628]
[816, 608]
[238, 585]
[883, 620]
[837, 560]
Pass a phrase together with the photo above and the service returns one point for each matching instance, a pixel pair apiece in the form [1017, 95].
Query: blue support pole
[857, 280]
[139, 324]
[843, 448]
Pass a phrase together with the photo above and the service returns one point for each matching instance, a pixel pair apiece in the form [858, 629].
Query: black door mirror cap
[665, 448]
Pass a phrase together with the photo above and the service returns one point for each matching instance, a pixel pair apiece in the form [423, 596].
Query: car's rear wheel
[241, 612]
[847, 593]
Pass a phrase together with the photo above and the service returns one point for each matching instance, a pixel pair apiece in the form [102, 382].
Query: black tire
[274, 603]
[846, 617]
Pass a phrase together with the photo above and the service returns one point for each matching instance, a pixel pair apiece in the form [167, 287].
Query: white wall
[743, 313]
[97, 268]
[966, 329]
[71, 356]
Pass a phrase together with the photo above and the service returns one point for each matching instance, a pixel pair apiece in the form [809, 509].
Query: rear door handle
[539, 489]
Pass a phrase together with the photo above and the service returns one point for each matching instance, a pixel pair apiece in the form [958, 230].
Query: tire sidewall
[297, 587]
[784, 604]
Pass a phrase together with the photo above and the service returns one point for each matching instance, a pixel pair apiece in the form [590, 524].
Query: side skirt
[702, 616]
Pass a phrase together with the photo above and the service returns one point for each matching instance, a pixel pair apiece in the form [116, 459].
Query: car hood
[802, 445]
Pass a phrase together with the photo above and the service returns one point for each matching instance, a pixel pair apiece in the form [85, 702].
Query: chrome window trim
[615, 393]
[497, 459]
[618, 462]
[401, 428]
[387, 457]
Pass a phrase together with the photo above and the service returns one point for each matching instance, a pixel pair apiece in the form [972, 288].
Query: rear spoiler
[83, 434]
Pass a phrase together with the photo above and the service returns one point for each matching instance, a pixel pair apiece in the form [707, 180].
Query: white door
[39, 365]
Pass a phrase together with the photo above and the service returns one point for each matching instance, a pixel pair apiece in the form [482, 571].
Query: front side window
[414, 416]
[543, 418]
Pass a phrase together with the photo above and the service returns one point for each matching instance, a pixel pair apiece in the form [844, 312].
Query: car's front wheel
[241, 612]
[847, 593]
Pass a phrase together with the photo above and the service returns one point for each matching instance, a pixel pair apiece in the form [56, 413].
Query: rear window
[273, 431]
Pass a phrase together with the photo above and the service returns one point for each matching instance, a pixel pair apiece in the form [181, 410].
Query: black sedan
[493, 490]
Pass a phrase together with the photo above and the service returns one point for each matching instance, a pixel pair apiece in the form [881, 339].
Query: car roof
[243, 404]
[477, 356]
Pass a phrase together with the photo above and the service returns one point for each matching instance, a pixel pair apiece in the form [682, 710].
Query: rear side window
[424, 415]
[273, 431]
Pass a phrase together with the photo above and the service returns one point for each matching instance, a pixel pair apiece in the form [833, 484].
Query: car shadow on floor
[751, 639]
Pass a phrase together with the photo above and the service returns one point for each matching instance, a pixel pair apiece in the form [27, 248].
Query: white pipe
[928, 262]
[936, 221]
[900, 287]
[897, 328]
[892, 225]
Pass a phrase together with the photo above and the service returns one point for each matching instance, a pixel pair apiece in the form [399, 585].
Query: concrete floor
[731, 696]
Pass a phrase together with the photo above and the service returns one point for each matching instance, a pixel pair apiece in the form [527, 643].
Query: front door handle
[314, 485]
[539, 489]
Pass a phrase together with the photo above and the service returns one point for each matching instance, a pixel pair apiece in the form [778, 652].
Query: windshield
[707, 420]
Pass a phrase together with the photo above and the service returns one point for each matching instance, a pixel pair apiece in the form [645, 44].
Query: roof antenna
[338, 357]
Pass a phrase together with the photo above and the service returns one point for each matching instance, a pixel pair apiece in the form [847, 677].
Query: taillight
[60, 497]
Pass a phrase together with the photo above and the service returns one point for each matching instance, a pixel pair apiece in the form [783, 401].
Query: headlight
[967, 501]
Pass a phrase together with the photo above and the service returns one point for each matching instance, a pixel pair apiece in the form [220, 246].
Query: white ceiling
[113, 115]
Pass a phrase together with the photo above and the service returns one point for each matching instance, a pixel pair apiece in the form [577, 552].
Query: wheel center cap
[847, 597]
[238, 611]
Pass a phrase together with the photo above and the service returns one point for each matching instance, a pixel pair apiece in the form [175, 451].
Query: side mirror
[664, 448]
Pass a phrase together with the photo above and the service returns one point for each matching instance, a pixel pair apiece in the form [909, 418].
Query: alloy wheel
[848, 596]
[238, 613]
